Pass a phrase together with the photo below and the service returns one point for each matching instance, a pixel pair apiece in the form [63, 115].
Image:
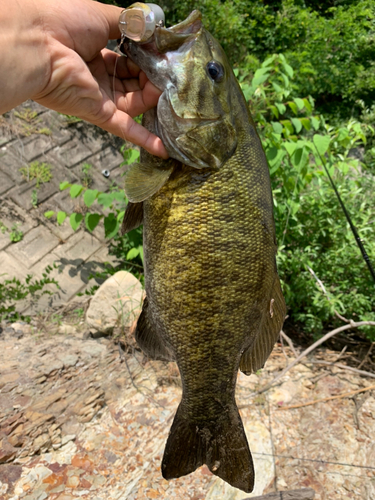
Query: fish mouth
[164, 39]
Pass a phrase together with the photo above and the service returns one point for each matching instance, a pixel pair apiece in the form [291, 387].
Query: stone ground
[33, 133]
[80, 418]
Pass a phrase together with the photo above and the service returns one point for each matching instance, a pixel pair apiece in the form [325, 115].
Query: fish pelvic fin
[221, 444]
[143, 180]
[133, 217]
[148, 338]
[255, 356]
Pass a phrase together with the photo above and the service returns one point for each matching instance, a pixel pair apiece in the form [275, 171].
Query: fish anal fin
[221, 444]
[255, 356]
[133, 217]
[143, 180]
[148, 338]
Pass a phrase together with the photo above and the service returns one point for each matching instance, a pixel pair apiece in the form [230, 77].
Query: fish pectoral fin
[133, 217]
[221, 444]
[148, 338]
[255, 356]
[213, 143]
[142, 180]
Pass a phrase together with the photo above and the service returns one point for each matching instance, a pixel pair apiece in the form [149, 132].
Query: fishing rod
[348, 218]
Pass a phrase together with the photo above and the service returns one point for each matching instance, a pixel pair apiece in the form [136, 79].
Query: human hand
[76, 75]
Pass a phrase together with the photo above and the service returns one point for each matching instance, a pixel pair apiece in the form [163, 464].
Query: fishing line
[348, 218]
[315, 460]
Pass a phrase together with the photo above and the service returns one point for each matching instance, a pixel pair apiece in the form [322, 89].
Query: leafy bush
[14, 290]
[311, 228]
[110, 208]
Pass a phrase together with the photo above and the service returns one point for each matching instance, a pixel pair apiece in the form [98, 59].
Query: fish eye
[215, 71]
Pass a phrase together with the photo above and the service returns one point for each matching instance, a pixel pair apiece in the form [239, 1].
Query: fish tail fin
[221, 444]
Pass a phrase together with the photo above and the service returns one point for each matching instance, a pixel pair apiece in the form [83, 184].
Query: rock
[116, 303]
[21, 327]
[65, 329]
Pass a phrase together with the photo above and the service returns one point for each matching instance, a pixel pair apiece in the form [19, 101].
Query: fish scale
[213, 297]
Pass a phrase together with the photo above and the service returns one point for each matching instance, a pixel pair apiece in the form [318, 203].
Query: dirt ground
[81, 418]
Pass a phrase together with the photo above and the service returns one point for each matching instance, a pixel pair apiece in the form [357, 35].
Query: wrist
[23, 56]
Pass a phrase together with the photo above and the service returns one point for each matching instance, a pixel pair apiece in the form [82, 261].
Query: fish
[214, 302]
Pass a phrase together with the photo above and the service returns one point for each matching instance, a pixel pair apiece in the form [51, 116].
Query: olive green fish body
[214, 302]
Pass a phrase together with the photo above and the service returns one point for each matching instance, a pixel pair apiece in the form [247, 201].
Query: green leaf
[111, 225]
[277, 87]
[293, 107]
[288, 125]
[269, 61]
[288, 69]
[49, 214]
[92, 220]
[76, 190]
[75, 221]
[286, 80]
[306, 123]
[343, 134]
[297, 124]
[64, 185]
[260, 76]
[119, 196]
[290, 147]
[277, 127]
[307, 104]
[130, 156]
[275, 111]
[105, 199]
[61, 216]
[281, 107]
[315, 122]
[321, 143]
[132, 254]
[299, 102]
[90, 196]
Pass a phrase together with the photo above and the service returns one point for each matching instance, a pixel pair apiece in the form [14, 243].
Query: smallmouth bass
[213, 297]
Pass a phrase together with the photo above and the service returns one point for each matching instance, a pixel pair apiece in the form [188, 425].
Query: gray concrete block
[6, 182]
[109, 158]
[23, 194]
[11, 268]
[70, 154]
[38, 146]
[10, 164]
[78, 248]
[10, 215]
[35, 245]
[58, 125]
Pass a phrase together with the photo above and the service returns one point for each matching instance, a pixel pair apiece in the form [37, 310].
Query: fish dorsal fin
[133, 217]
[212, 143]
[257, 354]
[142, 181]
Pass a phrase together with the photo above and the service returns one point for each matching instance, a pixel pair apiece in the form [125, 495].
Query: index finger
[122, 125]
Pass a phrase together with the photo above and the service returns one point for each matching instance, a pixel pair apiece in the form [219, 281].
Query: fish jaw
[194, 116]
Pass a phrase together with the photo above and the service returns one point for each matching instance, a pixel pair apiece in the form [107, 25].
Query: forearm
[24, 62]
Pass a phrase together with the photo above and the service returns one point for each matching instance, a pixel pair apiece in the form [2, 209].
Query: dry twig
[314, 346]
[345, 395]
[344, 367]
[284, 336]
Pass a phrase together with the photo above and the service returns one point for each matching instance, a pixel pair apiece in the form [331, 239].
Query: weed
[15, 234]
[79, 312]
[86, 177]
[34, 198]
[41, 172]
[70, 119]
[3, 227]
[13, 291]
[28, 123]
